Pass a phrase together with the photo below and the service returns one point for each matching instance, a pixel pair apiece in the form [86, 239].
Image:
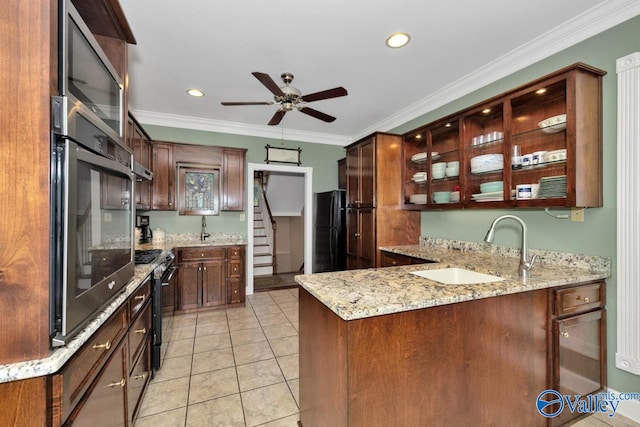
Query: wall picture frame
[283, 155]
[198, 190]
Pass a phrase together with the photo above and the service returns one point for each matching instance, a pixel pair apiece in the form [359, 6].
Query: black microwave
[90, 88]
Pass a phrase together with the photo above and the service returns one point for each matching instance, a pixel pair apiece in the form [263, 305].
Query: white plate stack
[419, 199]
[552, 187]
[419, 177]
[419, 158]
[487, 163]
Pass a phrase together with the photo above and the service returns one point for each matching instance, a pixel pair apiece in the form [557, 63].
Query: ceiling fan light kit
[289, 97]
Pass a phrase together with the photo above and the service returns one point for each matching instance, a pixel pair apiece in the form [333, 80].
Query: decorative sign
[283, 155]
[199, 191]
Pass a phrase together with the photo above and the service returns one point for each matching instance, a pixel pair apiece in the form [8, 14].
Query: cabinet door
[353, 176]
[352, 238]
[367, 173]
[367, 238]
[361, 251]
[214, 284]
[233, 180]
[189, 286]
[580, 357]
[107, 396]
[163, 177]
[142, 155]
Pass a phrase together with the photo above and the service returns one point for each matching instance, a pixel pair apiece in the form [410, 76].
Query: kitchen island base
[480, 362]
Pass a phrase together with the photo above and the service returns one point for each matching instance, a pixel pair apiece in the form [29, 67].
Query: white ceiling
[456, 47]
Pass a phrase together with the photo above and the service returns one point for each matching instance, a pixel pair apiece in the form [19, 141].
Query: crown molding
[195, 123]
[599, 18]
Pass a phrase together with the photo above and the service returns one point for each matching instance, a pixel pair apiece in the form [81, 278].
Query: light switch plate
[243, 217]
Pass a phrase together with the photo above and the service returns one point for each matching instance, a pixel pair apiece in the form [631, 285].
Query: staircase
[263, 235]
[262, 248]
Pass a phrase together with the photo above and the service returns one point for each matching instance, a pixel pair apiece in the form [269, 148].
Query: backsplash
[587, 262]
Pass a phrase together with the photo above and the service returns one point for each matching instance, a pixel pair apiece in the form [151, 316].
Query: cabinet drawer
[138, 299]
[139, 331]
[235, 268]
[138, 379]
[579, 299]
[80, 371]
[194, 254]
[235, 253]
[104, 405]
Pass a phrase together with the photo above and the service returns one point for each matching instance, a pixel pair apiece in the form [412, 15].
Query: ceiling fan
[288, 97]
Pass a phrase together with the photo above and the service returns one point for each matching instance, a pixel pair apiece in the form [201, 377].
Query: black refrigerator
[329, 234]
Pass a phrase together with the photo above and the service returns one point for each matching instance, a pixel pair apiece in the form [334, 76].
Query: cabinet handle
[106, 346]
[394, 263]
[565, 334]
[235, 291]
[585, 299]
[141, 331]
[170, 203]
[140, 297]
[140, 377]
[120, 383]
[357, 234]
[204, 268]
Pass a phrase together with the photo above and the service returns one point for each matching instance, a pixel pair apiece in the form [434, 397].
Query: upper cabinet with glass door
[539, 145]
[431, 173]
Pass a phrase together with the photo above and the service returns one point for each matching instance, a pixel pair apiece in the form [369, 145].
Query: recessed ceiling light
[195, 92]
[486, 111]
[541, 91]
[397, 40]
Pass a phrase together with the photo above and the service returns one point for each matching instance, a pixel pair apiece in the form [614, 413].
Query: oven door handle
[167, 277]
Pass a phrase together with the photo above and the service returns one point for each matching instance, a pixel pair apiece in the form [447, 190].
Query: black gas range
[162, 277]
[146, 256]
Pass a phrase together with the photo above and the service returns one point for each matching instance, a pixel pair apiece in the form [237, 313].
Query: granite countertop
[60, 355]
[357, 294]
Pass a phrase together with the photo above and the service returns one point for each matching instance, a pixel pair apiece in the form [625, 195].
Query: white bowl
[437, 174]
[452, 171]
[440, 165]
[553, 124]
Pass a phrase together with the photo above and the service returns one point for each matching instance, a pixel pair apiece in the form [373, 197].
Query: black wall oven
[92, 242]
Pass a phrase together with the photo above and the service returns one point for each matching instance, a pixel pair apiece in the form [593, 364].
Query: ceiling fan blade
[325, 94]
[317, 114]
[246, 103]
[268, 82]
[277, 117]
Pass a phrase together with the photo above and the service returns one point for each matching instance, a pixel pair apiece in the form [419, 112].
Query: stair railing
[270, 232]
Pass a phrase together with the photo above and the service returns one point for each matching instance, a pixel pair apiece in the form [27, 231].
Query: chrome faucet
[204, 235]
[526, 263]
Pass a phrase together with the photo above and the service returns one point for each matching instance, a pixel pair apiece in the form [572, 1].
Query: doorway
[308, 212]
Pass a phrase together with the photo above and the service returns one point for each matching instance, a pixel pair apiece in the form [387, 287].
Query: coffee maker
[142, 223]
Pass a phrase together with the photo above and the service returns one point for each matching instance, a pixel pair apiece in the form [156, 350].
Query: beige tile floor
[239, 367]
[234, 367]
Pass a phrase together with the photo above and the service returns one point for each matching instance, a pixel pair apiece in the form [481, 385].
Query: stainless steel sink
[457, 276]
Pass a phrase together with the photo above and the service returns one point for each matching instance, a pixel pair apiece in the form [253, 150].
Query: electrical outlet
[108, 217]
[577, 214]
[243, 217]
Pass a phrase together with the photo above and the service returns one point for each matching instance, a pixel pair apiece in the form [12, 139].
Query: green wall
[321, 157]
[597, 234]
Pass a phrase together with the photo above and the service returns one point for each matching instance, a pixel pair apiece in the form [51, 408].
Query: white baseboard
[629, 408]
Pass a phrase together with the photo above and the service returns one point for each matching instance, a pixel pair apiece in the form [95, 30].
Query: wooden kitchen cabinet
[233, 179]
[374, 216]
[142, 154]
[579, 345]
[210, 277]
[164, 177]
[570, 173]
[105, 405]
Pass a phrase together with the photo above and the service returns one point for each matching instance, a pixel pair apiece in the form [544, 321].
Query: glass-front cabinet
[432, 166]
[539, 145]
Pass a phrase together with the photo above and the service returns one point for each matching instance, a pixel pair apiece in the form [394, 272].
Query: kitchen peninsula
[381, 346]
